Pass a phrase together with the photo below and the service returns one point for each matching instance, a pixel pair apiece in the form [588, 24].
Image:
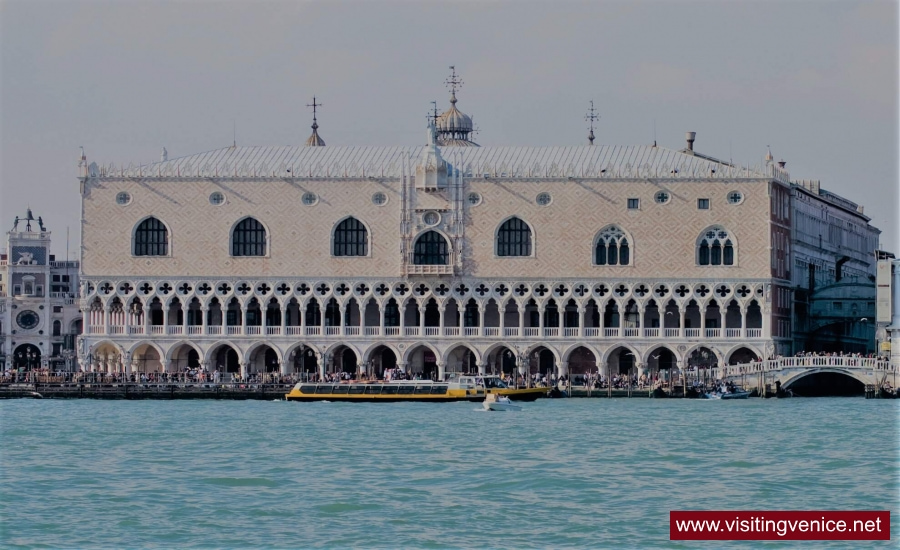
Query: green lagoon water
[561, 473]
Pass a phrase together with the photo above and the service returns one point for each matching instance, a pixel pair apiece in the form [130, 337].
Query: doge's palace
[437, 258]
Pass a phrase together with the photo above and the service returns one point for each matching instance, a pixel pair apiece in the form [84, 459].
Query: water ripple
[562, 473]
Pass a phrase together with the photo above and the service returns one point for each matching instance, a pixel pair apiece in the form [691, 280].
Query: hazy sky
[817, 81]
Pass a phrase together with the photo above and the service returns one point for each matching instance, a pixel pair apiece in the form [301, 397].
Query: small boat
[497, 402]
[736, 394]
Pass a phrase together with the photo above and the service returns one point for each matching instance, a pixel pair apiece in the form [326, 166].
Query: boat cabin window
[406, 389]
[307, 389]
[325, 389]
[357, 388]
[341, 389]
[389, 389]
[373, 388]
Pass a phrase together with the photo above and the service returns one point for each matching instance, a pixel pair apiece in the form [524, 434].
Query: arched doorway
[582, 363]
[382, 358]
[27, 357]
[422, 362]
[226, 359]
[344, 360]
[303, 361]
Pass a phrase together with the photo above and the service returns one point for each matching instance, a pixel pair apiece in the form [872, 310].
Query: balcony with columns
[428, 319]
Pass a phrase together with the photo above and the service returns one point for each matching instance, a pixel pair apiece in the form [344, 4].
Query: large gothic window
[612, 247]
[431, 249]
[248, 238]
[151, 238]
[351, 238]
[514, 238]
[715, 247]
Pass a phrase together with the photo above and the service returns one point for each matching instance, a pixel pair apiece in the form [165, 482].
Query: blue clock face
[27, 319]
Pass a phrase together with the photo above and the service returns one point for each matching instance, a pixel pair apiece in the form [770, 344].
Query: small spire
[164, 156]
[83, 158]
[314, 140]
[591, 117]
[769, 157]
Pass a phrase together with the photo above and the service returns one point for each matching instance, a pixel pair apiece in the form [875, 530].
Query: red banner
[780, 525]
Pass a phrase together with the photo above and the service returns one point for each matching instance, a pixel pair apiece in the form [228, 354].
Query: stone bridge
[788, 370]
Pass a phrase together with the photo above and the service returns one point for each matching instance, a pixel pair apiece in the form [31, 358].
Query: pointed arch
[350, 237]
[514, 237]
[431, 248]
[249, 237]
[150, 237]
[716, 246]
[613, 246]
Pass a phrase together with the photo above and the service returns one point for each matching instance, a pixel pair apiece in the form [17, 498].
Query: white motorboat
[495, 402]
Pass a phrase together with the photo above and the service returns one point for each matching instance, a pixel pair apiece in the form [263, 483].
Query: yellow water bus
[460, 388]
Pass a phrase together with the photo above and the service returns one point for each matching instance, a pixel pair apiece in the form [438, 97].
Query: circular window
[662, 197]
[123, 198]
[379, 199]
[27, 319]
[431, 218]
[474, 199]
[543, 199]
[735, 197]
[310, 198]
[216, 198]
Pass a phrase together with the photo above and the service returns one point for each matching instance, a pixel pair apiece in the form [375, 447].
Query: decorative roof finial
[769, 157]
[164, 156]
[454, 126]
[454, 83]
[314, 140]
[591, 116]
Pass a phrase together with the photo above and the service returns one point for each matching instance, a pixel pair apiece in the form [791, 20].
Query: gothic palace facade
[439, 258]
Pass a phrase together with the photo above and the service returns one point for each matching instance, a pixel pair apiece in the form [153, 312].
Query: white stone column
[381, 308]
[501, 309]
[482, 368]
[284, 365]
[106, 314]
[481, 311]
[441, 309]
[521, 309]
[581, 311]
[682, 313]
[284, 314]
[243, 319]
[563, 368]
[402, 365]
[204, 319]
[245, 369]
[421, 308]
[185, 309]
[743, 322]
[441, 372]
[542, 310]
[321, 358]
[342, 311]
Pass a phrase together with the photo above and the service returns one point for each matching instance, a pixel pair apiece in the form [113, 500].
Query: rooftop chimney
[690, 137]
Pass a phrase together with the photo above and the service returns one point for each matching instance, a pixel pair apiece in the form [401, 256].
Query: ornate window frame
[625, 235]
[533, 239]
[169, 240]
[268, 245]
[368, 230]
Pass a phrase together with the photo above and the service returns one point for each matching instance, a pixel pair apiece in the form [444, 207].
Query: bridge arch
[827, 373]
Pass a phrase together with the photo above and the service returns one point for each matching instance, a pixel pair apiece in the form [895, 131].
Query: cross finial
[591, 117]
[433, 115]
[454, 82]
[314, 105]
